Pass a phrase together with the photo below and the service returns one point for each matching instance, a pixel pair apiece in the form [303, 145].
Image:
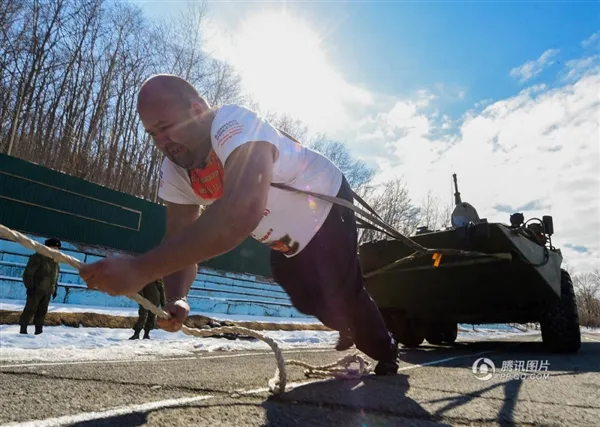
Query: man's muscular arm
[224, 224]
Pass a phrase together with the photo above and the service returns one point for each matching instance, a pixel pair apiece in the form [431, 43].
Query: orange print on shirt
[208, 182]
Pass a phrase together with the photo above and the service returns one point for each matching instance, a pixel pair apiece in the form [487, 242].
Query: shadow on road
[130, 420]
[370, 401]
[506, 413]
[507, 354]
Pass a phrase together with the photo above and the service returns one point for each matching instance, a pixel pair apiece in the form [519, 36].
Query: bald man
[229, 160]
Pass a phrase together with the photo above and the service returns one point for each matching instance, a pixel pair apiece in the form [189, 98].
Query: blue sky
[444, 46]
[397, 47]
[505, 94]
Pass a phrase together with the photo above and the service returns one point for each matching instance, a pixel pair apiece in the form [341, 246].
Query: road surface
[436, 386]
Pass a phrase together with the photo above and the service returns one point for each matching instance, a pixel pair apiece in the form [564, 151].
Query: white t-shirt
[290, 219]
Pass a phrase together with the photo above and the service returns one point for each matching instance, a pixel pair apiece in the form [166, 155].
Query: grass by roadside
[95, 320]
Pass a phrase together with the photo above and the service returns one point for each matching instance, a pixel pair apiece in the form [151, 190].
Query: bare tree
[69, 76]
[433, 214]
[41, 31]
[392, 202]
[587, 291]
[356, 171]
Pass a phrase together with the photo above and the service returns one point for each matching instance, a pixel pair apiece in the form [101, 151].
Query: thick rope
[324, 371]
[419, 250]
[337, 200]
[276, 384]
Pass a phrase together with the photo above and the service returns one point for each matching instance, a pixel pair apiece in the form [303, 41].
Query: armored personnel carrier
[516, 277]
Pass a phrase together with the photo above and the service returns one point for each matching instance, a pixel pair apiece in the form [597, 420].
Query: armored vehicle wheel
[413, 333]
[441, 333]
[407, 331]
[560, 320]
[450, 332]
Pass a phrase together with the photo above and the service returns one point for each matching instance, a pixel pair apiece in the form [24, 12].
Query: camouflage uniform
[155, 293]
[40, 278]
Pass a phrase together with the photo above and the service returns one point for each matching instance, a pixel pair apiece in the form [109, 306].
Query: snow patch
[63, 343]
[17, 305]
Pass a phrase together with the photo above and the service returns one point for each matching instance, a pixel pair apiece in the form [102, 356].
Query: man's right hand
[179, 310]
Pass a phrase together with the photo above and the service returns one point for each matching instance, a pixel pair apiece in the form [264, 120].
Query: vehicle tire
[407, 331]
[450, 333]
[560, 320]
[439, 333]
[413, 333]
[434, 335]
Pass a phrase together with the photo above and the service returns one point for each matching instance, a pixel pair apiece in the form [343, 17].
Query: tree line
[69, 76]
[587, 294]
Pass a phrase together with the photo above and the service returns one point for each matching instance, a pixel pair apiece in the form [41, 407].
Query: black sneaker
[344, 342]
[389, 366]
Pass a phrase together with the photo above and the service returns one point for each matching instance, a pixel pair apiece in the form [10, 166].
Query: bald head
[177, 118]
[169, 88]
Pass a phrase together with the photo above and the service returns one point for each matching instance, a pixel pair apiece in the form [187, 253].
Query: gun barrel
[457, 199]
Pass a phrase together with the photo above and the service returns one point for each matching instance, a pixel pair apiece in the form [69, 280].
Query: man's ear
[197, 108]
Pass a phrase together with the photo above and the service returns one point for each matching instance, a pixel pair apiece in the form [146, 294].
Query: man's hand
[179, 310]
[115, 276]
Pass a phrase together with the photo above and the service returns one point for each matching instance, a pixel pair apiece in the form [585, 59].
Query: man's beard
[186, 161]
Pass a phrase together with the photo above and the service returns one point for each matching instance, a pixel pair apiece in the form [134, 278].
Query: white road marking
[123, 410]
[220, 356]
[435, 362]
[90, 362]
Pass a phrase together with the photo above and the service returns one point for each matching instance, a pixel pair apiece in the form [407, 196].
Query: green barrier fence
[38, 200]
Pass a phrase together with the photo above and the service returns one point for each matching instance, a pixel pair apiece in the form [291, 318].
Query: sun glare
[284, 68]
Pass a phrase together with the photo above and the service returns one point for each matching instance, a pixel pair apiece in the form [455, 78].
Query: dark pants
[36, 306]
[146, 319]
[325, 280]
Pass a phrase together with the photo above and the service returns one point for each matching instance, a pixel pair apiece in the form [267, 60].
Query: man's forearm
[219, 229]
[178, 284]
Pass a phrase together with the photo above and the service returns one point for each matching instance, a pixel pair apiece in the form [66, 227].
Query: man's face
[179, 133]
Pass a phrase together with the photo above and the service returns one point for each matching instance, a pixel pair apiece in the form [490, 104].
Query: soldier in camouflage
[155, 293]
[40, 278]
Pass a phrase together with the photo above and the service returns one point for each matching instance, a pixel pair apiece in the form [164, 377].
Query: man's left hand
[115, 275]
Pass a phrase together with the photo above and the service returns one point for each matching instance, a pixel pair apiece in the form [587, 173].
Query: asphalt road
[436, 386]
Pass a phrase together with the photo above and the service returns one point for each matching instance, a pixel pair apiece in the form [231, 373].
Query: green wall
[38, 200]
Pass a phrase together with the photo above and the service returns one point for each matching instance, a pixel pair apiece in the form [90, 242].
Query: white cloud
[538, 152]
[532, 68]
[591, 40]
[576, 68]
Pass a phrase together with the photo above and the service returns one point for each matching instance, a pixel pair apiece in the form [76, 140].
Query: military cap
[52, 242]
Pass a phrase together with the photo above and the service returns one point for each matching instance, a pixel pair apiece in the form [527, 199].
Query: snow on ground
[63, 343]
[17, 305]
